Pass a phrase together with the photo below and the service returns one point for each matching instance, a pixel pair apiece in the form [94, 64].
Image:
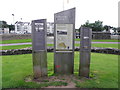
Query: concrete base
[63, 62]
[84, 67]
[40, 63]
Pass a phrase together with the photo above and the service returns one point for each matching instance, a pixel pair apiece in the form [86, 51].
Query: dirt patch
[69, 79]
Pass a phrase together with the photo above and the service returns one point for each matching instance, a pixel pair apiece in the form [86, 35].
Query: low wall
[101, 35]
[50, 49]
[95, 35]
[117, 37]
[15, 36]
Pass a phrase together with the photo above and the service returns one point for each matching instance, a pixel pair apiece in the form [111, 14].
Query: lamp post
[13, 19]
[13, 23]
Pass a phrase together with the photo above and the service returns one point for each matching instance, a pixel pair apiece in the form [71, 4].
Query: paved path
[52, 43]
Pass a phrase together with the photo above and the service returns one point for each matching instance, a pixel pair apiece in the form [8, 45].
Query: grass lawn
[25, 46]
[107, 40]
[15, 47]
[15, 41]
[103, 70]
[106, 45]
[29, 40]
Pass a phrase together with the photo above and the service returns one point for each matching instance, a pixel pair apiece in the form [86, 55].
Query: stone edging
[50, 49]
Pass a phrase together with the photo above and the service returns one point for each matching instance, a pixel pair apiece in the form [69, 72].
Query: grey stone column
[85, 51]
[64, 25]
[39, 35]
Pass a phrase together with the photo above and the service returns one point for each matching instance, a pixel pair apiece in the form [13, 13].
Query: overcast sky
[92, 10]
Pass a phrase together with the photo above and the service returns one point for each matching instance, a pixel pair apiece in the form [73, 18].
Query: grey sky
[92, 10]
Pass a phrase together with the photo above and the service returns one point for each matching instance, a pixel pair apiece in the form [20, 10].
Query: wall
[101, 35]
[15, 36]
[115, 37]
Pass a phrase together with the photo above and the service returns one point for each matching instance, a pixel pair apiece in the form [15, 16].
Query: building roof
[22, 23]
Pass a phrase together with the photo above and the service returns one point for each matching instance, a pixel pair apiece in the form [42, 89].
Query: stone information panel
[64, 25]
[85, 51]
[39, 50]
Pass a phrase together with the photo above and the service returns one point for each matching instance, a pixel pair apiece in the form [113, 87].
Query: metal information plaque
[39, 50]
[39, 34]
[64, 36]
[64, 24]
[85, 51]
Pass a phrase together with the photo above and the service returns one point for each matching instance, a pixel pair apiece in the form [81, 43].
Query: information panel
[85, 51]
[39, 34]
[64, 30]
[64, 36]
[39, 51]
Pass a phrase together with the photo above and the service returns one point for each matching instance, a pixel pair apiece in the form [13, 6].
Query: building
[4, 30]
[4, 27]
[50, 27]
[25, 27]
[22, 27]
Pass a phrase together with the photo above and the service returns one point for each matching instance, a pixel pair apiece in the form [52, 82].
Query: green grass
[106, 45]
[15, 41]
[107, 40]
[15, 47]
[25, 46]
[103, 45]
[104, 71]
[29, 40]
[17, 67]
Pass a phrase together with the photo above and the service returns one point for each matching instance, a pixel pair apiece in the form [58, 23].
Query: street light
[13, 18]
[13, 22]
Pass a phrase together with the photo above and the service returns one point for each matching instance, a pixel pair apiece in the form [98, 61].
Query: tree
[106, 27]
[118, 29]
[96, 26]
[11, 28]
[4, 24]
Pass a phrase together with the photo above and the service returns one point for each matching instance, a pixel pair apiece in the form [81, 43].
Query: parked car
[77, 35]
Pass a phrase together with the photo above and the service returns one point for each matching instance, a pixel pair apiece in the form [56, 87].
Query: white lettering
[39, 27]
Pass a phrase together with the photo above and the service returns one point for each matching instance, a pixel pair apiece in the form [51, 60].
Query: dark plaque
[39, 34]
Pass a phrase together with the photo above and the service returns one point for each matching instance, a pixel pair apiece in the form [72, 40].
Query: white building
[25, 27]
[50, 27]
[4, 30]
[22, 27]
